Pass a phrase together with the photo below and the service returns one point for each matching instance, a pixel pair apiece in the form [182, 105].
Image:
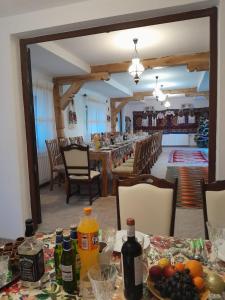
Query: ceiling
[15, 7]
[182, 37]
[185, 37]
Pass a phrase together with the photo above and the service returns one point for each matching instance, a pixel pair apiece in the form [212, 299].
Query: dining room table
[157, 246]
[110, 156]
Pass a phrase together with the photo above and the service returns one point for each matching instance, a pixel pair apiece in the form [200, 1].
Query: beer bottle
[58, 254]
[69, 281]
[73, 236]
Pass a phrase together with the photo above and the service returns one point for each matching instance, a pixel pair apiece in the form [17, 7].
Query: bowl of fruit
[181, 281]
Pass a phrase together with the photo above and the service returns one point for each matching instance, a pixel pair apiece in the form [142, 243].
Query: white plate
[221, 252]
[121, 233]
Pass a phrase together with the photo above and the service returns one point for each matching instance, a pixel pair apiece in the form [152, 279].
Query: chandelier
[136, 68]
[157, 92]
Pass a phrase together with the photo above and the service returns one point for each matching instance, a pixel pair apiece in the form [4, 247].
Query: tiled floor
[56, 213]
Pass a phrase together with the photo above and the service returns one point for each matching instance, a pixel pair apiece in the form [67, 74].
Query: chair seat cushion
[123, 169]
[130, 160]
[84, 177]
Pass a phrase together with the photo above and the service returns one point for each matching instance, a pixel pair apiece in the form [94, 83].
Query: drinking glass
[103, 278]
[216, 236]
[106, 240]
[4, 261]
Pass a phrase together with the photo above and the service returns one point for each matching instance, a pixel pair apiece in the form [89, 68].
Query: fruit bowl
[203, 296]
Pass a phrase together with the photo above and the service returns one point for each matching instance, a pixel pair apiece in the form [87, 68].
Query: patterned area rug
[189, 188]
[188, 157]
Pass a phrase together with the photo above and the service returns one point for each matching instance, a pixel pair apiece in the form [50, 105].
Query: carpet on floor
[188, 156]
[189, 187]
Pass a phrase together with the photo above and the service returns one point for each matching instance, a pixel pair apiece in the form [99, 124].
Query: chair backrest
[150, 201]
[76, 140]
[54, 154]
[213, 195]
[63, 141]
[76, 160]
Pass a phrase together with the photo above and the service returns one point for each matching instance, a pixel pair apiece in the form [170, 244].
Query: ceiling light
[167, 104]
[157, 92]
[136, 68]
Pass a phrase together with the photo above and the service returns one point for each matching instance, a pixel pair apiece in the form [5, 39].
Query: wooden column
[59, 118]
[115, 110]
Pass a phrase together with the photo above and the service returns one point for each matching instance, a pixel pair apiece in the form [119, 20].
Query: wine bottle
[73, 236]
[132, 265]
[69, 281]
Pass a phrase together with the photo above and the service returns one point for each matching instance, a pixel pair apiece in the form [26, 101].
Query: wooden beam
[196, 61]
[59, 120]
[89, 77]
[69, 94]
[189, 92]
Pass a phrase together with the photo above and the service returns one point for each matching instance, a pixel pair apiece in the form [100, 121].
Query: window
[44, 116]
[96, 116]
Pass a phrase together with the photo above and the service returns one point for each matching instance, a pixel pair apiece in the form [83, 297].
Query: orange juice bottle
[88, 246]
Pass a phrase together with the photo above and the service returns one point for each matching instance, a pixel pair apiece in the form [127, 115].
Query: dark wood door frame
[28, 99]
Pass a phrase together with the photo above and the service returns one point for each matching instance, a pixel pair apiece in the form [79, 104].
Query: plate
[155, 292]
[121, 233]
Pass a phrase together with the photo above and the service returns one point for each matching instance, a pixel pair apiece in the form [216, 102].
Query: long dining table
[51, 290]
[109, 157]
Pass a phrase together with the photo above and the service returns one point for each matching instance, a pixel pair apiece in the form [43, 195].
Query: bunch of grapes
[178, 287]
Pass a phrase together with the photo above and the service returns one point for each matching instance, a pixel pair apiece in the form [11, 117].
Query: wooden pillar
[59, 118]
[113, 116]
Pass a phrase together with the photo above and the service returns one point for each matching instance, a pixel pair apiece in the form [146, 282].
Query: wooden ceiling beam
[89, 77]
[189, 92]
[196, 61]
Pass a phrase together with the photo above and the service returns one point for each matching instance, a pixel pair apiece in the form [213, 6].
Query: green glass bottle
[69, 280]
[73, 236]
[58, 254]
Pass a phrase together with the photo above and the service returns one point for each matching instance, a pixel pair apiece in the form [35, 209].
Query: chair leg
[68, 190]
[51, 181]
[99, 186]
[114, 186]
[90, 192]
[78, 189]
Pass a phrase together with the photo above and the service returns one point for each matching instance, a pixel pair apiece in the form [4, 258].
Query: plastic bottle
[88, 246]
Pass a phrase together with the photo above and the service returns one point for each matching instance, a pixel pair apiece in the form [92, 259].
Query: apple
[155, 273]
[169, 271]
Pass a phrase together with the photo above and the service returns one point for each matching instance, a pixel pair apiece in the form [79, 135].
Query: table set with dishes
[158, 251]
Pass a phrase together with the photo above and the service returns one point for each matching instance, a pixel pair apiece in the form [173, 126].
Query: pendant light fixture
[157, 92]
[136, 68]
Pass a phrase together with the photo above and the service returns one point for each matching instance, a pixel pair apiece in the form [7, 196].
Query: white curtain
[96, 117]
[44, 115]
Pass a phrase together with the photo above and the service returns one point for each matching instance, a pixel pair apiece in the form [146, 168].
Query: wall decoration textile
[170, 121]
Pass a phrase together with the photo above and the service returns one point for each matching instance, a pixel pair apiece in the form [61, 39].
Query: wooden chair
[213, 195]
[56, 164]
[77, 168]
[76, 140]
[150, 201]
[63, 142]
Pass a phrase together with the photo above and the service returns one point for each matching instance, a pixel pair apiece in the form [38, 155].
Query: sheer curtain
[96, 117]
[44, 115]
[44, 125]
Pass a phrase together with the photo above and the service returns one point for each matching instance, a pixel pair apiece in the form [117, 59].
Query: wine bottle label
[138, 270]
[67, 273]
[32, 266]
[88, 241]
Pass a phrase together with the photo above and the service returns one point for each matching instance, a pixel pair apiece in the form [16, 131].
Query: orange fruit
[195, 268]
[199, 282]
[179, 267]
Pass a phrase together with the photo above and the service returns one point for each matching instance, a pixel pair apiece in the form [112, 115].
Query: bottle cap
[29, 228]
[87, 210]
[73, 227]
[59, 231]
[130, 221]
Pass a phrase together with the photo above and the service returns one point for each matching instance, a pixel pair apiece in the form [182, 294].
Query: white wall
[80, 102]
[176, 103]
[14, 183]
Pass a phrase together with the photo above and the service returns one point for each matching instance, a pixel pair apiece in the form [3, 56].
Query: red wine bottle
[132, 265]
